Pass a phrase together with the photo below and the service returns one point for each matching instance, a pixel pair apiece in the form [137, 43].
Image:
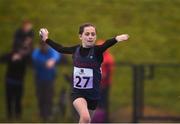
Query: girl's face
[88, 37]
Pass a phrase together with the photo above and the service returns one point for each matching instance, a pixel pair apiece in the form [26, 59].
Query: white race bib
[83, 78]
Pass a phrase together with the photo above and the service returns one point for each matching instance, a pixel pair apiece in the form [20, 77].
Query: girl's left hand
[122, 37]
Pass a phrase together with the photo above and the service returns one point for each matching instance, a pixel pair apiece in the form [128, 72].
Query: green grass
[153, 26]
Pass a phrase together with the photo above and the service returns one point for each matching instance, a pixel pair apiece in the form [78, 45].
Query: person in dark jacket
[22, 33]
[16, 61]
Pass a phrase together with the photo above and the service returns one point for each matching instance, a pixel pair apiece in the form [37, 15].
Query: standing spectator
[24, 32]
[45, 60]
[102, 113]
[14, 80]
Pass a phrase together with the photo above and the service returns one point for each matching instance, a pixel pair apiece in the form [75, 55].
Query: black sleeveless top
[86, 84]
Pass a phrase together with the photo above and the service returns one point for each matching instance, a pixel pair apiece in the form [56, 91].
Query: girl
[87, 59]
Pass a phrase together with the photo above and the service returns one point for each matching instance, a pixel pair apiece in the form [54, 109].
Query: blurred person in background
[102, 113]
[22, 33]
[45, 60]
[16, 61]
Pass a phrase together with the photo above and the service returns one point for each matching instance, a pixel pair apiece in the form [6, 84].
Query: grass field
[153, 26]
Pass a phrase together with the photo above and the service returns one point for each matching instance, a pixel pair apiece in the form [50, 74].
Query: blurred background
[153, 26]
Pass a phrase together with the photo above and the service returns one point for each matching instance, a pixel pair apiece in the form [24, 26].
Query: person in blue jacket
[44, 61]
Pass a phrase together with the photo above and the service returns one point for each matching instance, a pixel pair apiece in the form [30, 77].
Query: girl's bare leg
[80, 105]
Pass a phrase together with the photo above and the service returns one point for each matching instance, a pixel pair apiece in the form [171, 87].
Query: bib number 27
[82, 82]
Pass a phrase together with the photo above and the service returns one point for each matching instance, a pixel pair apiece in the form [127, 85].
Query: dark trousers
[104, 101]
[45, 93]
[14, 94]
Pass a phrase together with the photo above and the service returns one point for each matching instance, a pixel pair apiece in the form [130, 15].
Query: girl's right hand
[43, 33]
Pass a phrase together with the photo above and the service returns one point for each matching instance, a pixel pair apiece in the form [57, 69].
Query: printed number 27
[80, 79]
